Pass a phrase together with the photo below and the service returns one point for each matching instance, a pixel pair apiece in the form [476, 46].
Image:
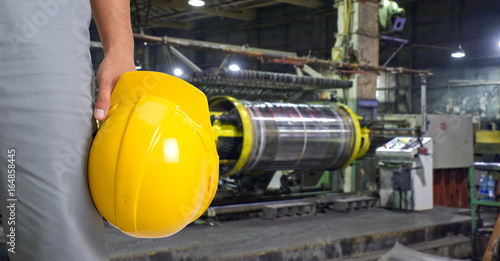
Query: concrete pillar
[359, 44]
[365, 44]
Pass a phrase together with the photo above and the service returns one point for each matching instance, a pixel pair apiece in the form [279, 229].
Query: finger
[103, 101]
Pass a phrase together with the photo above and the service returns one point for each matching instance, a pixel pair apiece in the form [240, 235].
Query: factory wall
[479, 97]
[474, 91]
[434, 29]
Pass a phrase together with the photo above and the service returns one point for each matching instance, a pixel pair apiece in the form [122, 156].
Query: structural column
[365, 43]
[357, 42]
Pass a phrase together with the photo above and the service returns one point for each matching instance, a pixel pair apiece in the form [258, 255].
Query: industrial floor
[324, 236]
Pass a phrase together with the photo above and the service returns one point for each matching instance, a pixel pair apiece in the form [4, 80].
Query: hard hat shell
[153, 165]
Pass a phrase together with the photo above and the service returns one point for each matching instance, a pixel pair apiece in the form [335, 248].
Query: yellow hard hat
[153, 165]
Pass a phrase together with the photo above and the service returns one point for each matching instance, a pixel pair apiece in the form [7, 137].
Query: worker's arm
[112, 18]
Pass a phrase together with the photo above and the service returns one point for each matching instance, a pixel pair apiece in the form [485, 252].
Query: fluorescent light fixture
[178, 72]
[234, 67]
[459, 53]
[196, 3]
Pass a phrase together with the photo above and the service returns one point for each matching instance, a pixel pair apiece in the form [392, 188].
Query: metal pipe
[393, 129]
[147, 63]
[394, 39]
[184, 59]
[495, 166]
[392, 121]
[432, 47]
[424, 104]
[441, 86]
[384, 136]
[394, 54]
[272, 56]
[202, 45]
[306, 68]
[298, 71]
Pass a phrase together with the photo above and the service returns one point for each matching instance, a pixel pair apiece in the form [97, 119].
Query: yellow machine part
[366, 141]
[487, 141]
[357, 131]
[153, 165]
[363, 141]
[221, 129]
[247, 131]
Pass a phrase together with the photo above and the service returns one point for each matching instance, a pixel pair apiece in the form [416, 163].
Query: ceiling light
[196, 3]
[234, 67]
[459, 53]
[178, 72]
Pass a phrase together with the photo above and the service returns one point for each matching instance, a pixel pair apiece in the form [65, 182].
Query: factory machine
[265, 127]
[255, 138]
[274, 138]
[406, 173]
[264, 136]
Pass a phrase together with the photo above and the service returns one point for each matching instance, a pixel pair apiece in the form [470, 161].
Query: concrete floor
[323, 236]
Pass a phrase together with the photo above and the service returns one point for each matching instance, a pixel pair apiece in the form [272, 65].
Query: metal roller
[262, 136]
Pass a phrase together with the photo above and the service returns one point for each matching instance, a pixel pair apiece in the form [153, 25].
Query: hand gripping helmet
[153, 165]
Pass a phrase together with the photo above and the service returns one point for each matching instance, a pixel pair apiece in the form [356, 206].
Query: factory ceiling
[308, 27]
[178, 14]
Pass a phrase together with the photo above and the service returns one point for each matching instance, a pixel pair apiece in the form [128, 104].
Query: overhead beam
[247, 15]
[171, 4]
[189, 43]
[195, 18]
[188, 26]
[304, 3]
[253, 6]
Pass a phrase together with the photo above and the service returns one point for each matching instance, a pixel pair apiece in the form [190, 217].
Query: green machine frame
[488, 166]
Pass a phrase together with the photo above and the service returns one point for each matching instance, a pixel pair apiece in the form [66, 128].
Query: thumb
[103, 101]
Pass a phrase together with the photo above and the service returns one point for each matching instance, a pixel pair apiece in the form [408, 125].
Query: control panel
[406, 173]
[402, 147]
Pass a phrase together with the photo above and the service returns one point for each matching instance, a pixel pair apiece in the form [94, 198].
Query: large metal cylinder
[262, 136]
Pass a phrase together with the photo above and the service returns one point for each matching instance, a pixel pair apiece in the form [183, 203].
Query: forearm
[112, 18]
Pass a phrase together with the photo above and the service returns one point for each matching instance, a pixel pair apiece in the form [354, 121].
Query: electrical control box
[406, 173]
[453, 137]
